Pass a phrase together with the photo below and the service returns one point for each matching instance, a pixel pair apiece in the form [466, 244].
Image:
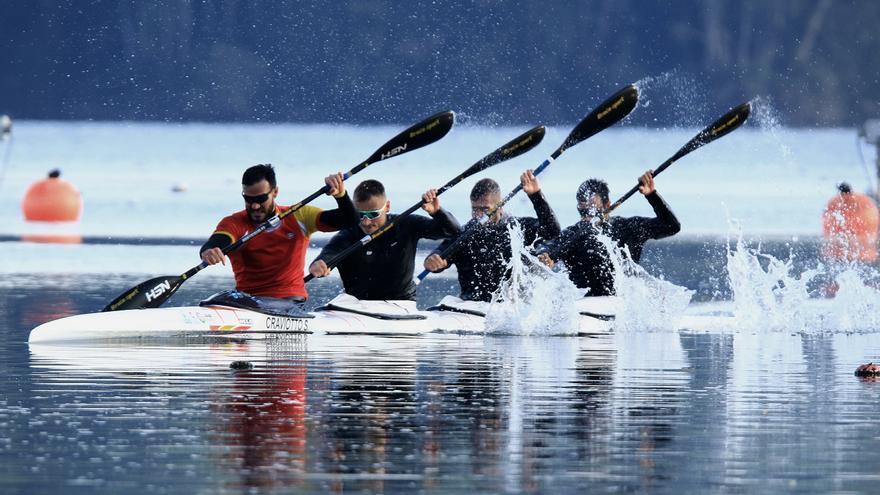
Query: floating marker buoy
[52, 208]
[52, 200]
[849, 227]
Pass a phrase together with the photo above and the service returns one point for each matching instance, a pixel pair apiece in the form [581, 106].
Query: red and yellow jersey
[849, 225]
[272, 264]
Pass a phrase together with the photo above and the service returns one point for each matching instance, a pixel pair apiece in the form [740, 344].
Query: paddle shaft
[635, 188]
[519, 145]
[721, 127]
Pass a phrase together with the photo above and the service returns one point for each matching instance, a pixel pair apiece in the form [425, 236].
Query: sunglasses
[259, 198]
[370, 214]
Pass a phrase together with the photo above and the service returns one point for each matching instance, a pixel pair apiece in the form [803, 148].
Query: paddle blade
[515, 147]
[150, 294]
[610, 112]
[729, 122]
[416, 136]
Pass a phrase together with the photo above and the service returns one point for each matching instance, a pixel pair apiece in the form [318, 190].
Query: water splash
[649, 83]
[533, 300]
[769, 296]
[647, 302]
[767, 118]
[682, 98]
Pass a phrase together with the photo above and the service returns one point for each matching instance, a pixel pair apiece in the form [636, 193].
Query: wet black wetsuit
[483, 256]
[383, 269]
[588, 263]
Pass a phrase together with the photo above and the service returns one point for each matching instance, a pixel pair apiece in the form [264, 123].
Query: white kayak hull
[351, 316]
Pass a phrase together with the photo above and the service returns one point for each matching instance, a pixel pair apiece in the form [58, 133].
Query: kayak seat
[380, 310]
[444, 307]
[267, 305]
[371, 314]
[597, 316]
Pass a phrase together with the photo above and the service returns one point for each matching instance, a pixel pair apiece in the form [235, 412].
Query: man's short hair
[367, 189]
[844, 188]
[483, 188]
[257, 173]
[592, 187]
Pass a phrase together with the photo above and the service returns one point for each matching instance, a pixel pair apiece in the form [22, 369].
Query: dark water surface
[741, 412]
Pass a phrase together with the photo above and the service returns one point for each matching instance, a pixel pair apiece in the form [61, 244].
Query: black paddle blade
[610, 112]
[416, 136]
[515, 147]
[721, 127]
[149, 294]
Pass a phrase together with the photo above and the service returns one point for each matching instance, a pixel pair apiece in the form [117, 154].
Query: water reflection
[634, 411]
[261, 420]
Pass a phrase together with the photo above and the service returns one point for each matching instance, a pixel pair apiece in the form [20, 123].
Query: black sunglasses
[259, 198]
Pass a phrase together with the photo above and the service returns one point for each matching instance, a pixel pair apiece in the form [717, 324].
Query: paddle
[721, 127]
[154, 292]
[519, 145]
[608, 113]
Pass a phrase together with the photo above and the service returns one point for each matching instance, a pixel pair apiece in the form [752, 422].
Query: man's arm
[442, 224]
[211, 251]
[345, 215]
[434, 263]
[338, 243]
[548, 225]
[666, 223]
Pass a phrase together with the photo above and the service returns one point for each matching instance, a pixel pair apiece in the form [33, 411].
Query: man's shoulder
[237, 218]
[304, 212]
[353, 233]
[574, 228]
[524, 220]
[625, 221]
[404, 223]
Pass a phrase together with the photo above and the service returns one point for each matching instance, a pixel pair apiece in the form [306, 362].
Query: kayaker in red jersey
[271, 265]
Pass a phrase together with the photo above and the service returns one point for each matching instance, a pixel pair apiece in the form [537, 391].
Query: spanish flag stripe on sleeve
[228, 234]
[307, 216]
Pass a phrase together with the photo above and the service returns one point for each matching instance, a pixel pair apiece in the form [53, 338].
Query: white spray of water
[765, 115]
[534, 300]
[683, 100]
[769, 296]
[537, 301]
[647, 302]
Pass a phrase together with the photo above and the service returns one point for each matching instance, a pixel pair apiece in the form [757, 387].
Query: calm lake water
[659, 412]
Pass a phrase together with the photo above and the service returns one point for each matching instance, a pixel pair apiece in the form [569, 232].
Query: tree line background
[385, 61]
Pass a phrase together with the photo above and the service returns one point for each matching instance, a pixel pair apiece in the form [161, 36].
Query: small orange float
[55, 201]
[52, 200]
[849, 227]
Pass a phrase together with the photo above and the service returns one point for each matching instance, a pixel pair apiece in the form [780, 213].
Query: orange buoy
[849, 227]
[52, 200]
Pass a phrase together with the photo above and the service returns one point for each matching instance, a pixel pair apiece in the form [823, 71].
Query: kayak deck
[342, 315]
